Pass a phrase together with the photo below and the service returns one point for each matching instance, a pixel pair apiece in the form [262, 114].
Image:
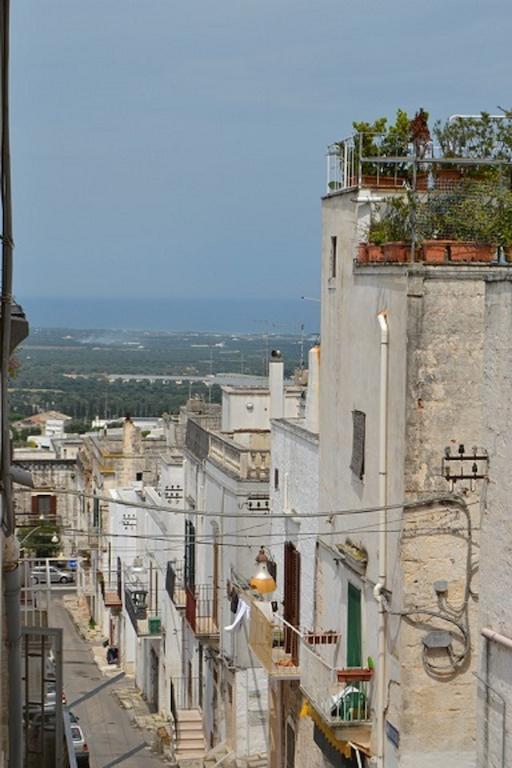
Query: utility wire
[256, 514]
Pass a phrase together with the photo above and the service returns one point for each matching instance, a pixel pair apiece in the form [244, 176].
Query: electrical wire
[253, 514]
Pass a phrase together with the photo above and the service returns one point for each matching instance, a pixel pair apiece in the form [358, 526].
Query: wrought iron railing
[201, 609]
[174, 583]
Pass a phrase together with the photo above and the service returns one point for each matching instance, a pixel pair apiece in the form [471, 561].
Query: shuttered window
[44, 504]
[354, 640]
[291, 610]
[358, 441]
[190, 554]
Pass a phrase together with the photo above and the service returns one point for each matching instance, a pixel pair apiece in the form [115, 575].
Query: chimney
[276, 384]
[313, 392]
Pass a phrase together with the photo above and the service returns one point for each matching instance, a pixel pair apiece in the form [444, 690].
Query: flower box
[472, 252]
[321, 638]
[354, 675]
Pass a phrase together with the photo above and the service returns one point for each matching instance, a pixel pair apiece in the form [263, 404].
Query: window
[45, 505]
[333, 257]
[354, 642]
[358, 440]
[190, 554]
[291, 612]
[276, 479]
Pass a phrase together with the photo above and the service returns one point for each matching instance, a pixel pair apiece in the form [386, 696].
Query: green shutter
[354, 651]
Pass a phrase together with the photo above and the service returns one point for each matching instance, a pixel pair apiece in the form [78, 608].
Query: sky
[177, 149]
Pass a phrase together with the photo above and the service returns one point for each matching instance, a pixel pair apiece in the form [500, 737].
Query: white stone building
[226, 483]
[407, 419]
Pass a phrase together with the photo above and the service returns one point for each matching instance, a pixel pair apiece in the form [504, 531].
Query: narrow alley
[111, 737]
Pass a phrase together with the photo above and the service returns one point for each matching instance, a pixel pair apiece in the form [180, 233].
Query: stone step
[185, 715]
[188, 725]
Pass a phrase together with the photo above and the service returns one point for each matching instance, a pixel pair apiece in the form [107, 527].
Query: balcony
[144, 621]
[249, 463]
[341, 698]
[174, 584]
[274, 642]
[110, 593]
[201, 610]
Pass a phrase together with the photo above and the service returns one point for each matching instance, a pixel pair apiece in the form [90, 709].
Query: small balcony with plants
[140, 600]
[340, 697]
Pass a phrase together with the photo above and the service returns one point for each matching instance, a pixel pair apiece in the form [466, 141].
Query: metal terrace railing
[340, 700]
[373, 160]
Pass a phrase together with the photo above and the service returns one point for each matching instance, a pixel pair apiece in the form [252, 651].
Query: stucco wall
[295, 456]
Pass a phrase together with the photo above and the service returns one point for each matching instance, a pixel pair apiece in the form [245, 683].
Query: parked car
[80, 746]
[39, 575]
[48, 716]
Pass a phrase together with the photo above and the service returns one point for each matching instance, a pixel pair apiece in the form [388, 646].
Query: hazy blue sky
[177, 148]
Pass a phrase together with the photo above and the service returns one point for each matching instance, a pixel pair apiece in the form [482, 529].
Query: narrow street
[107, 727]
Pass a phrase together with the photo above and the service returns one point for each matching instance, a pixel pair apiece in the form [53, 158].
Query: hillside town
[315, 571]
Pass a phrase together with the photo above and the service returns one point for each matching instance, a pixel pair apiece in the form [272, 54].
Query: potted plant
[378, 139]
[389, 232]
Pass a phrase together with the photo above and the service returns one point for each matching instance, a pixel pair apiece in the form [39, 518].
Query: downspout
[490, 634]
[383, 500]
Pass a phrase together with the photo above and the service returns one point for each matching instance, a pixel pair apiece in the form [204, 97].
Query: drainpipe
[490, 634]
[383, 500]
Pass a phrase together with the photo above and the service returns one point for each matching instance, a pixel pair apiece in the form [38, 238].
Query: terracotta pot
[472, 252]
[375, 252]
[508, 254]
[422, 182]
[362, 253]
[354, 675]
[448, 175]
[435, 251]
[398, 252]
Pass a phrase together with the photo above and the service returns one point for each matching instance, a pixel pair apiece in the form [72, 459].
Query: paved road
[107, 727]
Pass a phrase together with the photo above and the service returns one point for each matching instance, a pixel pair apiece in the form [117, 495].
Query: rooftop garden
[455, 198]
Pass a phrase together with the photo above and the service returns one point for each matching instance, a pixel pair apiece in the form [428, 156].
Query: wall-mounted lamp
[262, 581]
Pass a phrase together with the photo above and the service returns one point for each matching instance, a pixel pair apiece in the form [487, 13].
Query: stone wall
[495, 669]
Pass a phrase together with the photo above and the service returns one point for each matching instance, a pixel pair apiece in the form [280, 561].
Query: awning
[357, 737]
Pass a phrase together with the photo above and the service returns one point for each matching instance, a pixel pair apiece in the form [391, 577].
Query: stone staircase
[190, 747]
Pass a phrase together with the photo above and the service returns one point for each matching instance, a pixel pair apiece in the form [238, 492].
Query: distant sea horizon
[282, 316]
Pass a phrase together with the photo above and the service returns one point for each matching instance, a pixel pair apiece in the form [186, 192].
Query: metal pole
[6, 295]
[13, 617]
[383, 500]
